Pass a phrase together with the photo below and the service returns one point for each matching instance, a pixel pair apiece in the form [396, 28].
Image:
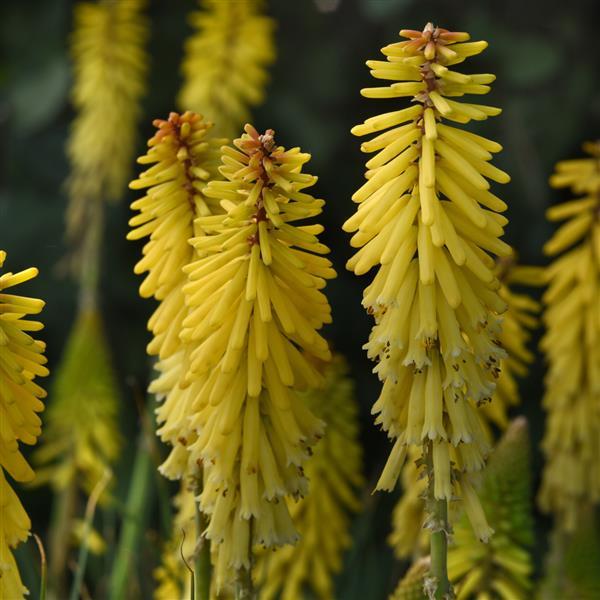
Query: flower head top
[226, 60]
[21, 361]
[571, 479]
[426, 217]
[255, 305]
[183, 159]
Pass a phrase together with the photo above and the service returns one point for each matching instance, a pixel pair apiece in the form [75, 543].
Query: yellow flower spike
[21, 361]
[435, 372]
[322, 517]
[81, 438]
[181, 159]
[254, 337]
[226, 60]
[571, 444]
[110, 66]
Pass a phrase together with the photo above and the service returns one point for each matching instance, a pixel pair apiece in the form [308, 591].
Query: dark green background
[545, 56]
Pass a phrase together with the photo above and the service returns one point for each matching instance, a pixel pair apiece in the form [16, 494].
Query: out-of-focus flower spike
[21, 361]
[226, 60]
[414, 583]
[571, 445]
[110, 64]
[81, 439]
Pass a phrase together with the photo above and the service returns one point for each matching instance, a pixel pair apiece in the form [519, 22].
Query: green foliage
[503, 566]
[573, 565]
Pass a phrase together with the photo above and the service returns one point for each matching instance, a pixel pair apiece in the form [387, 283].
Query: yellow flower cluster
[21, 360]
[571, 478]
[322, 517]
[81, 438]
[255, 305]
[110, 65]
[426, 217]
[183, 159]
[225, 62]
[408, 536]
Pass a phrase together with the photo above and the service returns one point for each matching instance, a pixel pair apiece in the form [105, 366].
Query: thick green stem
[438, 520]
[439, 548]
[139, 503]
[202, 566]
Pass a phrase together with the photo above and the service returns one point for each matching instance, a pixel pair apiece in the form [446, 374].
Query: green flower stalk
[427, 219]
[21, 361]
[323, 517]
[226, 60]
[571, 445]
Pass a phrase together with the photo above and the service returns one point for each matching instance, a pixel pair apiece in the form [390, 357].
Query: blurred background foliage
[547, 63]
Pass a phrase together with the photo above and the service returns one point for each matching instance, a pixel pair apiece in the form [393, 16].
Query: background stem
[139, 504]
